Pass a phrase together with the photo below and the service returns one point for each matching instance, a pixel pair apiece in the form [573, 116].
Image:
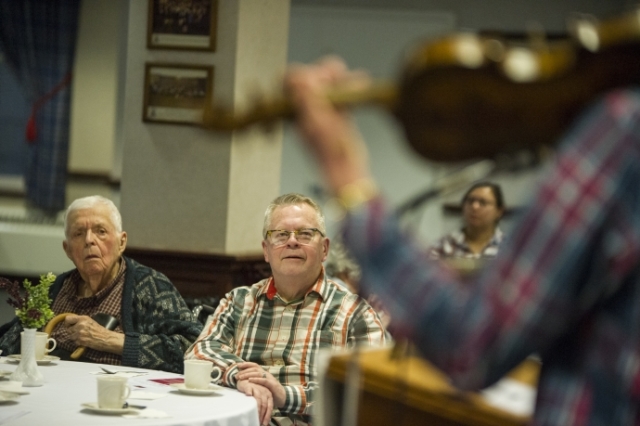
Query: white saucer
[13, 387]
[183, 389]
[93, 406]
[8, 397]
[46, 360]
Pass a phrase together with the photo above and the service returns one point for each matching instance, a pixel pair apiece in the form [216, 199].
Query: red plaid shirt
[566, 284]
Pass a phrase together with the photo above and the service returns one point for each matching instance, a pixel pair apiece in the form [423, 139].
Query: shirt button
[279, 362]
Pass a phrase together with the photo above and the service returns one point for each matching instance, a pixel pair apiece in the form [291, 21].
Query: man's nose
[89, 238]
[292, 240]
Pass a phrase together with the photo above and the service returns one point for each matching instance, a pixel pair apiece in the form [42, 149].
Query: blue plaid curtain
[38, 39]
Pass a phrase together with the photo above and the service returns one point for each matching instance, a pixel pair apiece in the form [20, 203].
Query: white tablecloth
[69, 384]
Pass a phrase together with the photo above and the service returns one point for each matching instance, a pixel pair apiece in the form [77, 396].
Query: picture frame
[182, 24]
[176, 93]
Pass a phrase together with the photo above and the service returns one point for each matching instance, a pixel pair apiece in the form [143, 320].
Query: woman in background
[480, 237]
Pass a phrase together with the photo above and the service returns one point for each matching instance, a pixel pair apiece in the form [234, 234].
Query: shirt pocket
[322, 339]
[306, 347]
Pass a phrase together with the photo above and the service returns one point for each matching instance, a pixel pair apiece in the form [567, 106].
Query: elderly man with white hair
[155, 325]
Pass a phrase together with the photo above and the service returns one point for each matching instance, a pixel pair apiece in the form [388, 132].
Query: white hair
[90, 202]
[289, 200]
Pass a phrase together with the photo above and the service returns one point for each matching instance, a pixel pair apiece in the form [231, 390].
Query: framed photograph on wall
[182, 24]
[176, 93]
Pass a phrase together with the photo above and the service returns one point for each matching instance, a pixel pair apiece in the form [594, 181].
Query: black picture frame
[182, 24]
[176, 93]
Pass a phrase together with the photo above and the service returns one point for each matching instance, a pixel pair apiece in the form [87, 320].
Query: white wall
[373, 40]
[186, 188]
[94, 146]
[376, 40]
[503, 15]
[373, 35]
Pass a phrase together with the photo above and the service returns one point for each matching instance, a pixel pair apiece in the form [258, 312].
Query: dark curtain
[38, 39]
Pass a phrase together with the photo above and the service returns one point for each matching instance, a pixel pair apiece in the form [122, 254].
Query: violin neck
[379, 93]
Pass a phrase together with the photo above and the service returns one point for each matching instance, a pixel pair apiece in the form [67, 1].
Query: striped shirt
[454, 245]
[254, 324]
[566, 284]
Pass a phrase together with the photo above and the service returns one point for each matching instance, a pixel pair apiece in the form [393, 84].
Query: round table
[69, 384]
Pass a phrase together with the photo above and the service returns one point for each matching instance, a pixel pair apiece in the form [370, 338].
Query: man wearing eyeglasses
[264, 339]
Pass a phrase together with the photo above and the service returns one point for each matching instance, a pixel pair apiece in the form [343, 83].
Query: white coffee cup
[197, 373]
[113, 391]
[42, 344]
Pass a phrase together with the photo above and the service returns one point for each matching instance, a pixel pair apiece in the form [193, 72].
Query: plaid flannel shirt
[254, 324]
[566, 284]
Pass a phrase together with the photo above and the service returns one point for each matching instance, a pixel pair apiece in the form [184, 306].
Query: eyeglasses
[279, 237]
[481, 201]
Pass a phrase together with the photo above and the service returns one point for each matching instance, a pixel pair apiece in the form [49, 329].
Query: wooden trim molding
[200, 275]
[195, 275]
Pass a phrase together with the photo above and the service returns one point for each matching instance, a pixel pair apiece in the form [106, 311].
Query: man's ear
[123, 241]
[264, 251]
[67, 249]
[325, 248]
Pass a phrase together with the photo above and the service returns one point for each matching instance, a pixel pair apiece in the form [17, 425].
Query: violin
[468, 96]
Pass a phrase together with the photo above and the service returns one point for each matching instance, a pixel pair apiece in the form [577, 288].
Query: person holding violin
[482, 208]
[565, 285]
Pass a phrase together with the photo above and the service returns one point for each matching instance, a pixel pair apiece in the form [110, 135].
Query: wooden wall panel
[198, 275]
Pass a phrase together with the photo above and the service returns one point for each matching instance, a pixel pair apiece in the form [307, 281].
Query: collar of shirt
[76, 280]
[459, 237]
[320, 287]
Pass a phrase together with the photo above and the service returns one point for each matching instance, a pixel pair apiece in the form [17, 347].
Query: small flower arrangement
[32, 303]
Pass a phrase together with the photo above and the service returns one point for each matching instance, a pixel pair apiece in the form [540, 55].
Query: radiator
[30, 246]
